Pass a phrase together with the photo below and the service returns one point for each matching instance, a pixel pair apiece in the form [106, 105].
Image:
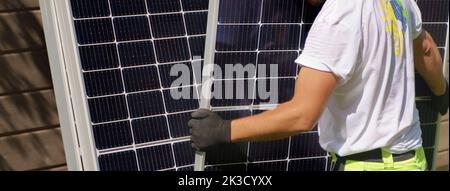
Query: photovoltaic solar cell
[99, 57]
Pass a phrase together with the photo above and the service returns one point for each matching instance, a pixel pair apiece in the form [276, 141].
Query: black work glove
[208, 129]
[440, 103]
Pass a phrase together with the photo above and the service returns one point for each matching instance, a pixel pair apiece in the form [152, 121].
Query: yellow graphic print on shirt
[395, 14]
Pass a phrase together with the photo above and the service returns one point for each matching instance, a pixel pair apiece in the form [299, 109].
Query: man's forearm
[282, 122]
[428, 63]
[300, 114]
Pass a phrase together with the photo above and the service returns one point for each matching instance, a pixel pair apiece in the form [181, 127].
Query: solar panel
[264, 32]
[260, 33]
[126, 49]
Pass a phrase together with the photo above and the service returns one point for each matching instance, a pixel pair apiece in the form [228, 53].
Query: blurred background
[30, 137]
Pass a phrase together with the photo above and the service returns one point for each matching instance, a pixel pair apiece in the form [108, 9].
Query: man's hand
[208, 129]
[440, 103]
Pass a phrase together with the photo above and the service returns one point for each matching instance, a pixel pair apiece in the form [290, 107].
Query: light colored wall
[443, 145]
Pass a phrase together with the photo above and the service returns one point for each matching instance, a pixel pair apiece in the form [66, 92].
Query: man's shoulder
[346, 12]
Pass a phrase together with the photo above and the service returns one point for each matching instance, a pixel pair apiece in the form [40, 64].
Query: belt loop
[388, 159]
[334, 162]
[333, 157]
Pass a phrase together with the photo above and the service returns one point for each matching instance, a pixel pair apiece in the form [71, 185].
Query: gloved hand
[208, 129]
[440, 103]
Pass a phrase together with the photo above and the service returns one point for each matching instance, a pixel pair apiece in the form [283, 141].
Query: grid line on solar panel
[144, 145]
[123, 8]
[142, 40]
[195, 61]
[137, 15]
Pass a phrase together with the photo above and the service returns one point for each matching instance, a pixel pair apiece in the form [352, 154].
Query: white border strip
[207, 78]
[69, 86]
[446, 55]
[61, 84]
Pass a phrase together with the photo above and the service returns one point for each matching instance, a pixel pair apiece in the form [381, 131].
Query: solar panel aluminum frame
[68, 84]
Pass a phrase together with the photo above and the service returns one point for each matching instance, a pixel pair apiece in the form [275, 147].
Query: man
[358, 77]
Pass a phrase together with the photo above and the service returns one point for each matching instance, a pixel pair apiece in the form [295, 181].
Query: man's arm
[428, 62]
[313, 89]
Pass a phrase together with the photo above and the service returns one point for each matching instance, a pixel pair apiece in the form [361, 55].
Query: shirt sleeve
[415, 17]
[333, 46]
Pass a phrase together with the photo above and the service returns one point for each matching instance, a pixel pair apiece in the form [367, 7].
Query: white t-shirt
[368, 44]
